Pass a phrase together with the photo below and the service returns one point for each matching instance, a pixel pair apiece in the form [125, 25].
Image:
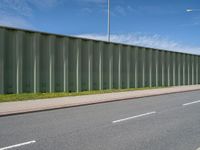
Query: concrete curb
[48, 108]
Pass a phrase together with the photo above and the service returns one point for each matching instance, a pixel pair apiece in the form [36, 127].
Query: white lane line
[133, 117]
[18, 145]
[195, 102]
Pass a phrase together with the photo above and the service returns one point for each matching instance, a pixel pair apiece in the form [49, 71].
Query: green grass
[32, 96]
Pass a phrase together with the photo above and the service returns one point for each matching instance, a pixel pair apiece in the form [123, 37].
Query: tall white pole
[108, 20]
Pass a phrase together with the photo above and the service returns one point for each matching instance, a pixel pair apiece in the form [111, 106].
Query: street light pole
[108, 20]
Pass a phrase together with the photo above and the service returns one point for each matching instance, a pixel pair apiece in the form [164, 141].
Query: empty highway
[166, 122]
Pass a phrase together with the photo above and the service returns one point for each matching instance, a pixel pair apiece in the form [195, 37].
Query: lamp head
[189, 10]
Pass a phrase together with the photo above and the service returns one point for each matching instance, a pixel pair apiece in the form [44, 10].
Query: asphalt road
[167, 122]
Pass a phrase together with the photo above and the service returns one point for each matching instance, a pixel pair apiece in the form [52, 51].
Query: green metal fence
[42, 62]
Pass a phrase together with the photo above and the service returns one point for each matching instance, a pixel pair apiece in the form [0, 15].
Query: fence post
[143, 67]
[100, 66]
[119, 68]
[2, 49]
[197, 70]
[78, 82]
[163, 69]
[90, 65]
[18, 46]
[136, 67]
[128, 68]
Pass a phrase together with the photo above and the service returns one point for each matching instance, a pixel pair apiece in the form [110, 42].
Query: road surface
[166, 122]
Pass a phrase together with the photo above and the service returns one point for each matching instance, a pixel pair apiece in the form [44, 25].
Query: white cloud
[93, 1]
[16, 13]
[120, 10]
[19, 7]
[13, 21]
[123, 10]
[152, 41]
[44, 3]
[87, 10]
[25, 7]
[130, 8]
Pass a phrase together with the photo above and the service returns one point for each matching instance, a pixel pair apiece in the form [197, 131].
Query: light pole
[108, 21]
[189, 11]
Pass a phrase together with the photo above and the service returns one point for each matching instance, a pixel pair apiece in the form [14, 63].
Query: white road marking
[142, 115]
[17, 145]
[195, 102]
[198, 148]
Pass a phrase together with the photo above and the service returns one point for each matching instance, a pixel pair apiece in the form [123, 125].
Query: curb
[27, 111]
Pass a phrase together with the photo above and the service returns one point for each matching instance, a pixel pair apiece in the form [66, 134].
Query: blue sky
[153, 23]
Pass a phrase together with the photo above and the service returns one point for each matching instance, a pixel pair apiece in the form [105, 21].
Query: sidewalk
[11, 108]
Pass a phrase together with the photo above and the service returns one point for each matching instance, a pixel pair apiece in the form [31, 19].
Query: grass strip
[32, 96]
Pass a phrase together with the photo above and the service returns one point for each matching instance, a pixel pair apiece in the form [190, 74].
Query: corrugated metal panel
[41, 62]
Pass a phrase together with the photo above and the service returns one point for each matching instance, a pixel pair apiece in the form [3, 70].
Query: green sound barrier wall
[32, 62]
